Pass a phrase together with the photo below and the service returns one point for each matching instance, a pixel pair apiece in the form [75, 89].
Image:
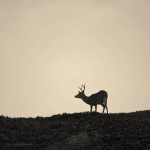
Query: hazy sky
[50, 47]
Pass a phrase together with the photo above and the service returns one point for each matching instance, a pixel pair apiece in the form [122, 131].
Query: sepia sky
[48, 48]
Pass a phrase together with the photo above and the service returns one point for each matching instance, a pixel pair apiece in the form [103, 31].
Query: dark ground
[78, 131]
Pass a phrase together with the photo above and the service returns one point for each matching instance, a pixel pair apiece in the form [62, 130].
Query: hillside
[90, 131]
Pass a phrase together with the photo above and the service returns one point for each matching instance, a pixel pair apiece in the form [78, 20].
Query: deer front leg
[91, 107]
[95, 108]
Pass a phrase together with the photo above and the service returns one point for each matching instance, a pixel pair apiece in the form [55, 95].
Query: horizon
[50, 48]
[139, 111]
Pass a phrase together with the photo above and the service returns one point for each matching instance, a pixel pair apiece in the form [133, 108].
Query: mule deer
[99, 98]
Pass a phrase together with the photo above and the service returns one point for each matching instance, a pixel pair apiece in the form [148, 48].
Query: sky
[49, 48]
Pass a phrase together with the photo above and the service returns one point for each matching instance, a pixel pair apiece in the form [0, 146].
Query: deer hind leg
[91, 108]
[106, 109]
[104, 106]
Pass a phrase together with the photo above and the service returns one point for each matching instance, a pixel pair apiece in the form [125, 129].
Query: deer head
[81, 92]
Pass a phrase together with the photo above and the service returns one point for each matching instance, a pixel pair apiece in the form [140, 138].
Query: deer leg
[95, 108]
[107, 109]
[103, 108]
[91, 108]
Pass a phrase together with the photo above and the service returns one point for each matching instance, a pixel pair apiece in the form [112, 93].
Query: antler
[83, 86]
[80, 88]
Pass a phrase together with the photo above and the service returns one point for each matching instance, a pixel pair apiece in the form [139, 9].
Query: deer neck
[85, 98]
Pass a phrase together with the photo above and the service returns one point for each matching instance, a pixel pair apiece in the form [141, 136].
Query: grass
[90, 131]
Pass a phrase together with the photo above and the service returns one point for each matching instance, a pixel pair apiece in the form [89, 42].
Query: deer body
[99, 98]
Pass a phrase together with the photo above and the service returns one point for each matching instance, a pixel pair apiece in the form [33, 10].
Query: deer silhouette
[99, 98]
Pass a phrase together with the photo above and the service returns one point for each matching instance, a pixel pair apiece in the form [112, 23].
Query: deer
[99, 98]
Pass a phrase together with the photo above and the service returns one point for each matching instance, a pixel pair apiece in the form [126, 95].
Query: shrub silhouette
[77, 131]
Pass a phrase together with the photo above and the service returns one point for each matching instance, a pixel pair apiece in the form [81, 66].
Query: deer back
[98, 98]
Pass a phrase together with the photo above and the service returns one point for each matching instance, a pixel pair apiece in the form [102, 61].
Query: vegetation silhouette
[99, 98]
[78, 131]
